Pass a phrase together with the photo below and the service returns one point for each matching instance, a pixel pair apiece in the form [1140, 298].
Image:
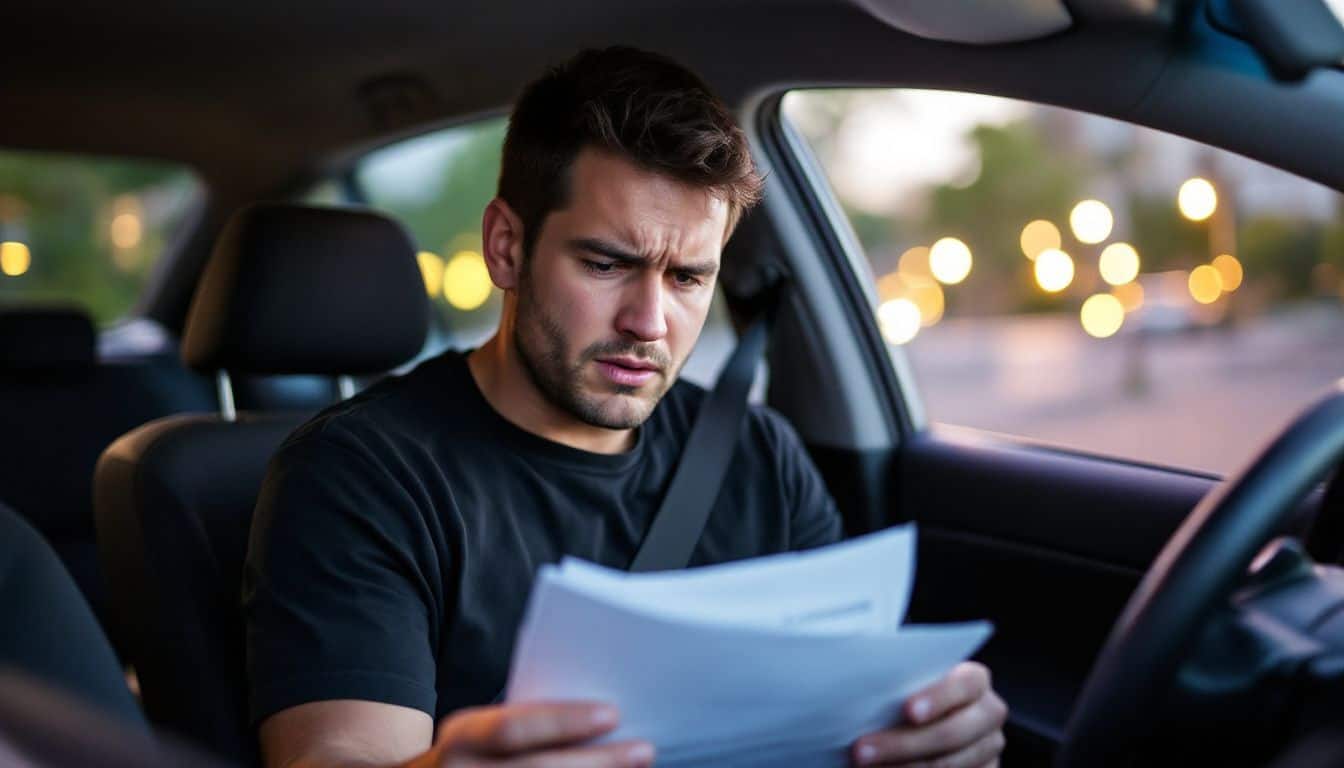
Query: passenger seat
[288, 290]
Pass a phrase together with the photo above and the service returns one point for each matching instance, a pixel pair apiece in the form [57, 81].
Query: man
[397, 535]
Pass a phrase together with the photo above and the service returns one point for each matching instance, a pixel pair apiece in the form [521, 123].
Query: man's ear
[502, 244]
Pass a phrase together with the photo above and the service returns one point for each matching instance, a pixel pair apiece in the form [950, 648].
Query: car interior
[1144, 613]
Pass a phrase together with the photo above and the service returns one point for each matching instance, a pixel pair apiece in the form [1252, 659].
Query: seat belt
[709, 448]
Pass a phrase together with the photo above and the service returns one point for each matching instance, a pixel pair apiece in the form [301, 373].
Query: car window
[1081, 281]
[438, 185]
[86, 230]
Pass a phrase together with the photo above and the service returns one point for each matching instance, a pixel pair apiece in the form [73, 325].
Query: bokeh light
[466, 281]
[1229, 269]
[1197, 199]
[928, 296]
[14, 258]
[126, 230]
[1054, 270]
[431, 269]
[1130, 295]
[899, 320]
[1038, 236]
[923, 291]
[1119, 263]
[950, 260]
[1091, 221]
[1206, 285]
[1102, 315]
[915, 261]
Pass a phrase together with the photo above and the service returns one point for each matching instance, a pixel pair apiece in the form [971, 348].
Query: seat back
[174, 503]
[59, 408]
[287, 290]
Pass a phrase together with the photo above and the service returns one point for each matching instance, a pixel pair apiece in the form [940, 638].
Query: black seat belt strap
[704, 460]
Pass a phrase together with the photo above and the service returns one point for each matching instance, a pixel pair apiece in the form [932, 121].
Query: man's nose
[642, 316]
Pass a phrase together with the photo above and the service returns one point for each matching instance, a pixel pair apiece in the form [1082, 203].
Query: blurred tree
[1281, 252]
[62, 206]
[1020, 179]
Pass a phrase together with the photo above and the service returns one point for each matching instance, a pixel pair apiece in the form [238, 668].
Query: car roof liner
[985, 22]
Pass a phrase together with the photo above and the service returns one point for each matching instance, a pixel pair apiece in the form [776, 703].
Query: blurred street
[1200, 399]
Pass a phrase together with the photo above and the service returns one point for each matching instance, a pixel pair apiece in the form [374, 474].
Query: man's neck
[509, 389]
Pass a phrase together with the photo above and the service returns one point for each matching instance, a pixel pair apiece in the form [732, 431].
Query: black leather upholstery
[49, 632]
[45, 338]
[174, 507]
[174, 498]
[291, 289]
[59, 408]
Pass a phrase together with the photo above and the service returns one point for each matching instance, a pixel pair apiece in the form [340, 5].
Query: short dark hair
[637, 104]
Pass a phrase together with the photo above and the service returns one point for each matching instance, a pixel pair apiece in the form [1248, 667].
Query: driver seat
[288, 290]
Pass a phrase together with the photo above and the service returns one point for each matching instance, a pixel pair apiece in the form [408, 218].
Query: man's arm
[365, 734]
[345, 734]
[340, 594]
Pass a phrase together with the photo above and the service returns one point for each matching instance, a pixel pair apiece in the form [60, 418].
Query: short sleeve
[340, 592]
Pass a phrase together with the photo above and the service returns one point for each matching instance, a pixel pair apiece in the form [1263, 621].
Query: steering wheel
[1197, 568]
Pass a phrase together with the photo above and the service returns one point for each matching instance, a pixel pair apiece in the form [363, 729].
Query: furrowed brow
[698, 268]
[609, 250]
[599, 247]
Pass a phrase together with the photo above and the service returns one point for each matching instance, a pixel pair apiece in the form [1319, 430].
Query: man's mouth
[627, 371]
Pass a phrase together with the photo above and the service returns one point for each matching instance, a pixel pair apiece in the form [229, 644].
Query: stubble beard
[543, 349]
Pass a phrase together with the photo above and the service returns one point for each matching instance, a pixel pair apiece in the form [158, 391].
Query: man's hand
[954, 723]
[536, 734]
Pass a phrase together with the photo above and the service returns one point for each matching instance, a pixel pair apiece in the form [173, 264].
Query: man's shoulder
[397, 408]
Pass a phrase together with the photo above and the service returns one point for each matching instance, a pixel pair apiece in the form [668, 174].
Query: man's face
[616, 289]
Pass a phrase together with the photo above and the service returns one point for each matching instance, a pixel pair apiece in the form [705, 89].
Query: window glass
[1082, 281]
[438, 185]
[86, 230]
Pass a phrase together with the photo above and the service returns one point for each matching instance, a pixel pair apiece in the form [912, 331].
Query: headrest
[294, 289]
[42, 339]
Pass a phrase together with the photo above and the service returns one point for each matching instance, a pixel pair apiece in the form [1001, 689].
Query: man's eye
[599, 267]
[686, 279]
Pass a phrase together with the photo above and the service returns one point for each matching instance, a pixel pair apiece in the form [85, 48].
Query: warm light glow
[1039, 235]
[126, 230]
[1197, 199]
[928, 297]
[1206, 285]
[915, 261]
[466, 281]
[431, 269]
[899, 320]
[950, 260]
[924, 292]
[1130, 295]
[1119, 263]
[1102, 315]
[890, 286]
[1229, 269]
[1054, 270]
[14, 258]
[1091, 221]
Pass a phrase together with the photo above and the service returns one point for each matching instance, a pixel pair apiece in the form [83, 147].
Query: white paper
[859, 585]
[779, 660]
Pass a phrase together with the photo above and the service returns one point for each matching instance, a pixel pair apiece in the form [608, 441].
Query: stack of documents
[780, 660]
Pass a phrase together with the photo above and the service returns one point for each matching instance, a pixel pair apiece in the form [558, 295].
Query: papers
[778, 660]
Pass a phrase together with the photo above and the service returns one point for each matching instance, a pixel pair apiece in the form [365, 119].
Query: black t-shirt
[397, 534]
